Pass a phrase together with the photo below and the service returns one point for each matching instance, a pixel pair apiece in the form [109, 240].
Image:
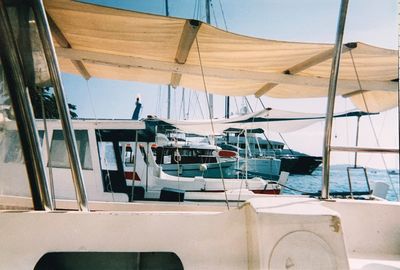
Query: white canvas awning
[268, 119]
[110, 43]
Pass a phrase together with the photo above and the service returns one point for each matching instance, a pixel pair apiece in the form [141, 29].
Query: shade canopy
[267, 119]
[104, 42]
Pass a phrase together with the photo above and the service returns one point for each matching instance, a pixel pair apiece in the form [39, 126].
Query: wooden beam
[353, 93]
[316, 59]
[312, 61]
[265, 89]
[188, 36]
[63, 42]
[189, 33]
[81, 68]
[175, 79]
[58, 35]
[123, 61]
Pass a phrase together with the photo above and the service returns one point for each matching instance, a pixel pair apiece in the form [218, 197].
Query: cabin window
[108, 160]
[58, 150]
[129, 157]
[10, 147]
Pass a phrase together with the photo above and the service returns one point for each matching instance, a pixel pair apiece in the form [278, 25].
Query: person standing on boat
[136, 112]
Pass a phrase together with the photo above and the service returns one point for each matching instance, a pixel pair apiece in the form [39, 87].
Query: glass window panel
[108, 160]
[10, 145]
[58, 150]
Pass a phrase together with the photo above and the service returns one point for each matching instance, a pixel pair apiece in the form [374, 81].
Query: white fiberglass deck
[264, 233]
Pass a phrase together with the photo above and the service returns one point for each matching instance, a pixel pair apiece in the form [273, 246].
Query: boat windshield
[30, 75]
[12, 166]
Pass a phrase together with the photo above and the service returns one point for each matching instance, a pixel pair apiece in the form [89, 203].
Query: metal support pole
[169, 86]
[357, 133]
[227, 110]
[169, 102]
[25, 119]
[69, 135]
[331, 98]
[210, 96]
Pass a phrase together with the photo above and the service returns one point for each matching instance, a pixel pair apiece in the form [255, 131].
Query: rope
[223, 15]
[211, 120]
[372, 126]
[107, 178]
[134, 167]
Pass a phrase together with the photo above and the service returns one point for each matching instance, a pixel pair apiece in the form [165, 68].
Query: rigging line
[209, 111]
[372, 126]
[213, 11]
[46, 134]
[347, 130]
[181, 108]
[280, 134]
[189, 101]
[194, 9]
[248, 103]
[205, 88]
[223, 15]
[236, 104]
[158, 103]
[108, 183]
[198, 10]
[198, 102]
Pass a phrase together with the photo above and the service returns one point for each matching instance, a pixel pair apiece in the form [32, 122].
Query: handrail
[69, 135]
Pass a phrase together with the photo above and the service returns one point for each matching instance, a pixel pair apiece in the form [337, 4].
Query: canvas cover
[104, 42]
[268, 119]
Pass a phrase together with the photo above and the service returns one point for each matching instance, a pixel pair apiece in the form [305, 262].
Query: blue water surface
[339, 181]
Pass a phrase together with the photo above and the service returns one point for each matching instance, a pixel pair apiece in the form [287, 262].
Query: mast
[227, 107]
[69, 135]
[210, 96]
[331, 98]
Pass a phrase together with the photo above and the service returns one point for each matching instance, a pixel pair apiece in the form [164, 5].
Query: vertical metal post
[210, 96]
[183, 104]
[25, 119]
[398, 85]
[169, 86]
[169, 102]
[331, 98]
[357, 134]
[70, 141]
[227, 110]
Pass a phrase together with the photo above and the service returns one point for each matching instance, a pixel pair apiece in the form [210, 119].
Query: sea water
[339, 181]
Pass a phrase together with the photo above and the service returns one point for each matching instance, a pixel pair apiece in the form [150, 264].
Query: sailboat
[271, 232]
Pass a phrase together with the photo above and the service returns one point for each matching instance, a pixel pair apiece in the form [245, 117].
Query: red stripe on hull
[129, 176]
[268, 191]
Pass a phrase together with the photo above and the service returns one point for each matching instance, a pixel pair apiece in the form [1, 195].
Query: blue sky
[372, 21]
